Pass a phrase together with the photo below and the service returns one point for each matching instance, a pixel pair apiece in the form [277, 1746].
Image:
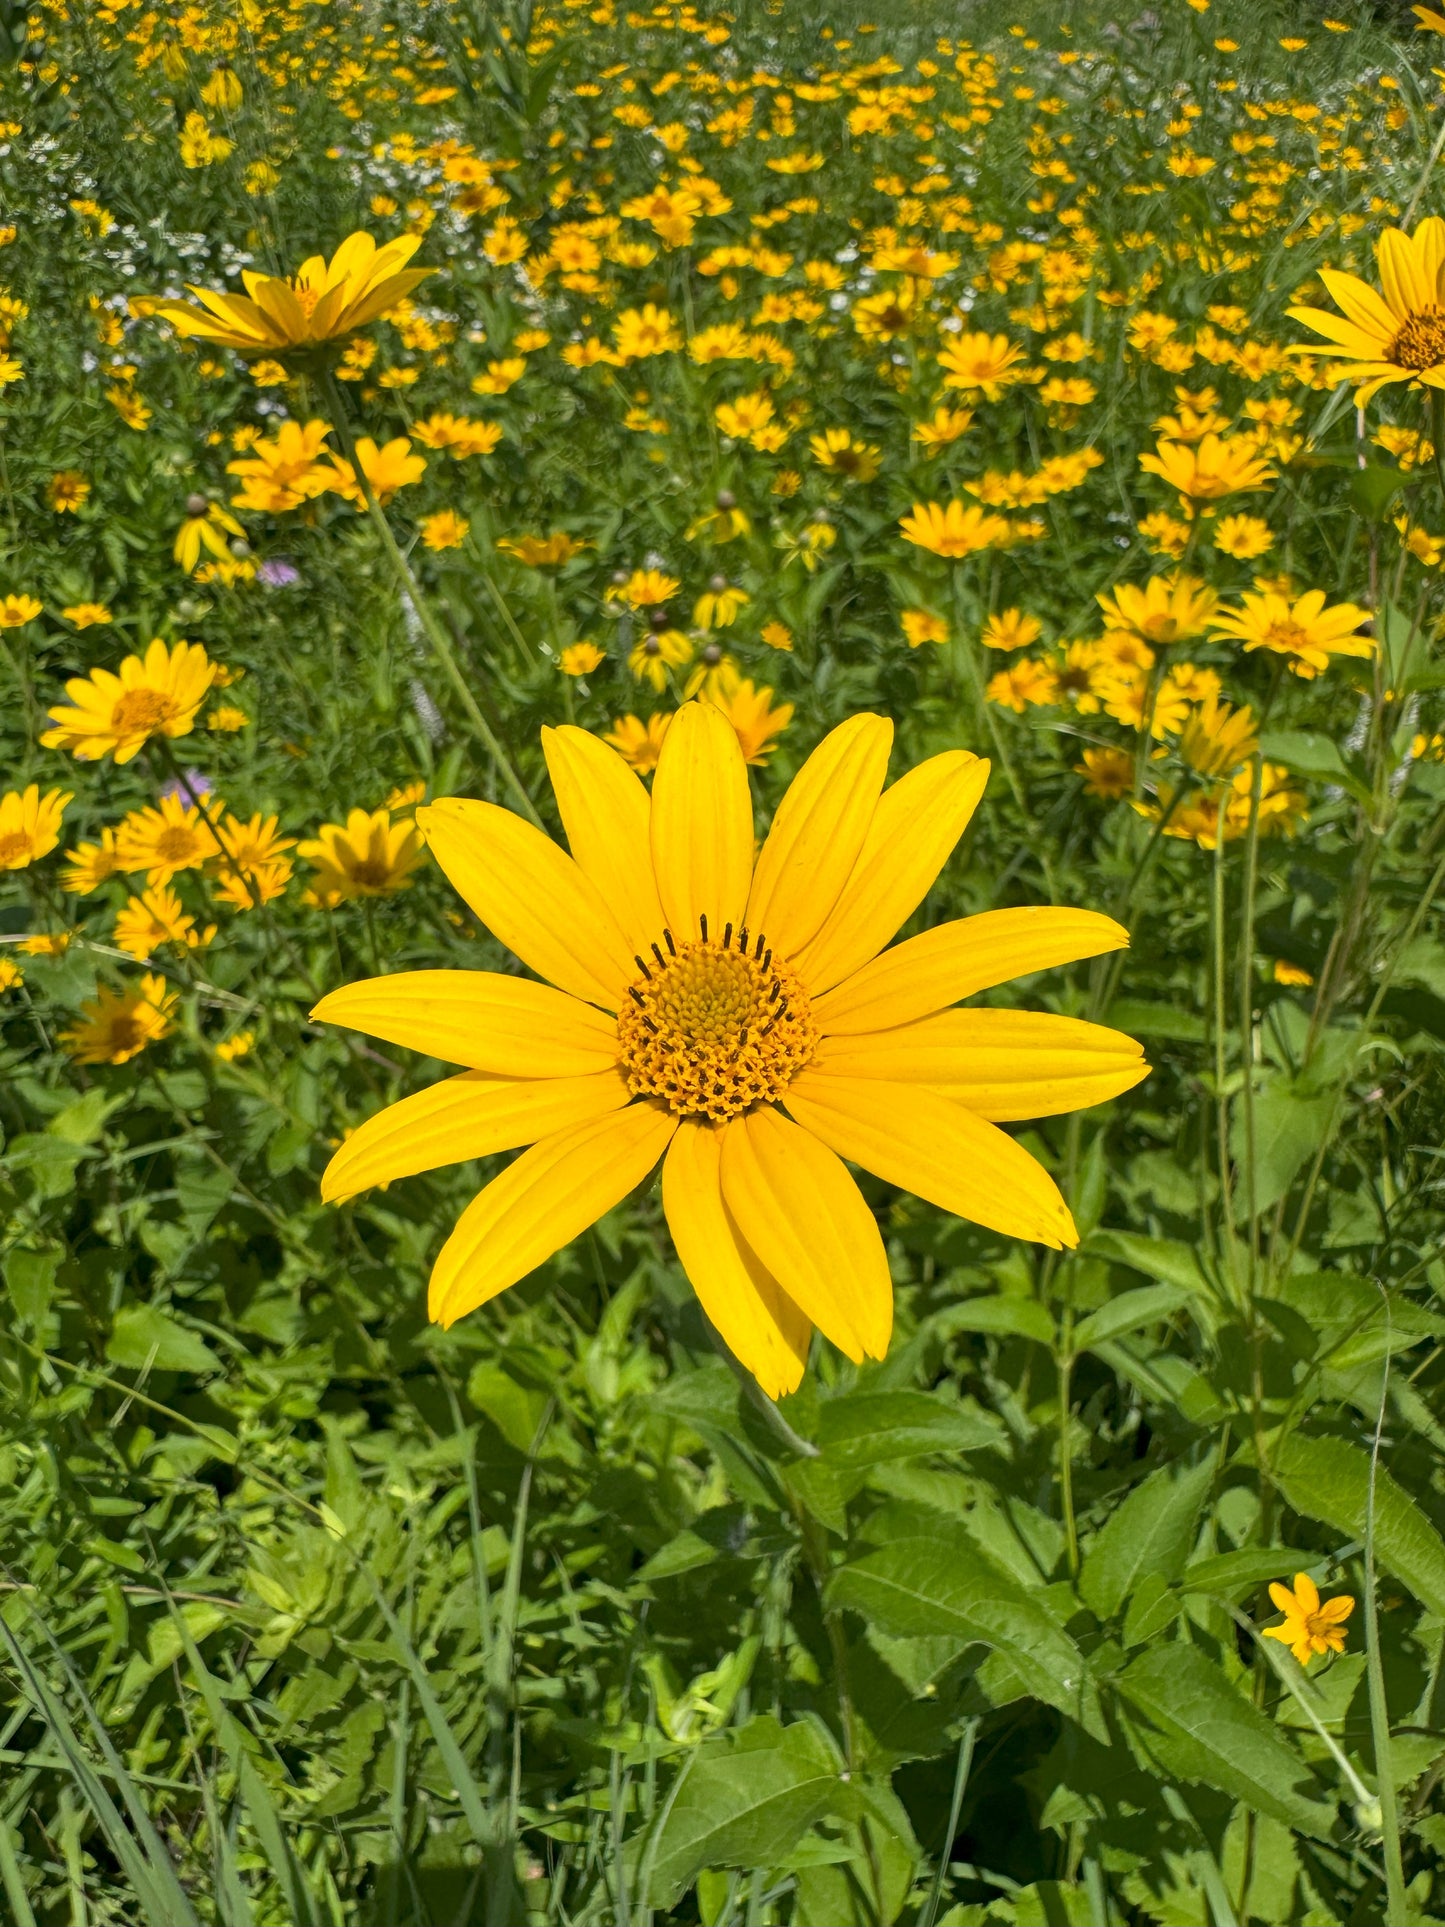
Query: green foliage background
[313, 1613]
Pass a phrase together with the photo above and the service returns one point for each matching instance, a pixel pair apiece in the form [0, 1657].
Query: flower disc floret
[713, 1029]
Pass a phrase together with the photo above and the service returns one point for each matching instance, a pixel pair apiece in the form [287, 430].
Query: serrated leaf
[1202, 1729]
[746, 1798]
[1152, 1531]
[1328, 1480]
[942, 1584]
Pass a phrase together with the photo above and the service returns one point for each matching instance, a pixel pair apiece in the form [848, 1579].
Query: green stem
[1396, 1907]
[435, 631]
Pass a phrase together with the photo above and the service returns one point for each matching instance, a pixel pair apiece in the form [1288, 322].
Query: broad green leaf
[867, 1428]
[1328, 1480]
[30, 1279]
[1287, 1126]
[1234, 1572]
[942, 1584]
[1129, 1312]
[1007, 1314]
[1152, 1531]
[144, 1335]
[1202, 1729]
[1167, 1259]
[1138, 1018]
[746, 1797]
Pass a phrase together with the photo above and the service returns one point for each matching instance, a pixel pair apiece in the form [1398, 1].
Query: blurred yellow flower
[30, 824]
[444, 530]
[89, 865]
[17, 610]
[639, 743]
[85, 615]
[1107, 773]
[388, 469]
[1303, 630]
[67, 491]
[367, 856]
[1011, 629]
[952, 529]
[581, 658]
[753, 715]
[165, 839]
[117, 1026]
[979, 363]
[922, 625]
[155, 917]
[1214, 467]
[1165, 609]
[284, 472]
[544, 551]
[1290, 974]
[657, 652]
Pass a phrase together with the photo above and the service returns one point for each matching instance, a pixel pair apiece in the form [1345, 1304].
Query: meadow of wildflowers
[722, 794]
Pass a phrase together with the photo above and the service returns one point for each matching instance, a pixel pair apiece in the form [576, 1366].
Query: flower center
[139, 711]
[177, 845]
[370, 873]
[1420, 342]
[1287, 635]
[714, 1028]
[125, 1034]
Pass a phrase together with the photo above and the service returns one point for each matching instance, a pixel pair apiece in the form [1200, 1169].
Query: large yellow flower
[1304, 630]
[738, 1017]
[1210, 470]
[320, 306]
[157, 694]
[1398, 333]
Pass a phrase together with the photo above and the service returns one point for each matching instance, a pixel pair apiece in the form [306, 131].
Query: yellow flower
[1011, 629]
[777, 635]
[10, 370]
[314, 311]
[952, 529]
[30, 824]
[1215, 466]
[1397, 334]
[746, 417]
[444, 530]
[285, 472]
[734, 1017]
[155, 917]
[659, 651]
[458, 435]
[10, 975]
[157, 694]
[500, 376]
[1217, 738]
[887, 316]
[85, 615]
[944, 426]
[1023, 683]
[639, 743]
[1242, 536]
[752, 715]
[253, 869]
[645, 589]
[581, 658]
[386, 470]
[206, 526]
[837, 449]
[922, 625]
[227, 719]
[641, 332]
[89, 865]
[982, 364]
[718, 608]
[1304, 630]
[1291, 974]
[1168, 608]
[17, 610]
[166, 840]
[1164, 535]
[543, 551]
[117, 1026]
[67, 491]
[1107, 773]
[1309, 1627]
[367, 856]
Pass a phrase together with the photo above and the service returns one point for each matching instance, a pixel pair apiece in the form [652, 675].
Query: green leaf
[1328, 1480]
[942, 1584]
[1152, 1531]
[1373, 488]
[1140, 1018]
[1203, 1729]
[30, 1280]
[743, 1799]
[869, 1428]
[143, 1335]
[1288, 1124]
[1129, 1312]
[1167, 1259]
[1007, 1314]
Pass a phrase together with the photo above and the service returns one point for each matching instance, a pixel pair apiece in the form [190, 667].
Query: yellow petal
[543, 1200]
[531, 896]
[506, 1025]
[954, 960]
[1362, 304]
[927, 1144]
[817, 833]
[471, 1116]
[797, 1207]
[606, 813]
[1001, 1064]
[914, 827]
[757, 1321]
[1403, 280]
[702, 823]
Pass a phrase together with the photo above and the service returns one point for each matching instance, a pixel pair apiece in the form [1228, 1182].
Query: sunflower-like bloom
[314, 311]
[157, 694]
[951, 529]
[206, 529]
[367, 856]
[738, 1019]
[1398, 332]
[979, 363]
[30, 823]
[165, 840]
[387, 469]
[1216, 466]
[1218, 738]
[1167, 608]
[1309, 1625]
[116, 1026]
[1304, 630]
